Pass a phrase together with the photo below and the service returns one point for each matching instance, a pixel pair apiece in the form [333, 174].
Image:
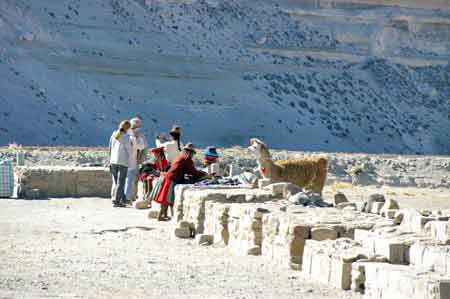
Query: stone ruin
[62, 181]
[373, 248]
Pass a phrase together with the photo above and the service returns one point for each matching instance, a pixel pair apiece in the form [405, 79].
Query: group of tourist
[172, 164]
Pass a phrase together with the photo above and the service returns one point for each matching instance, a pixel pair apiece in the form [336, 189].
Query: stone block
[430, 256]
[390, 214]
[413, 221]
[263, 183]
[330, 262]
[389, 205]
[398, 217]
[388, 242]
[344, 205]
[277, 189]
[203, 239]
[383, 281]
[376, 207]
[323, 233]
[339, 198]
[439, 231]
[373, 198]
[183, 232]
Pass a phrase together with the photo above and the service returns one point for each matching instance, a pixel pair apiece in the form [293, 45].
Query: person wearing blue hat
[210, 160]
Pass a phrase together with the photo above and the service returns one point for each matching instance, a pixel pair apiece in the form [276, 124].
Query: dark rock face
[375, 79]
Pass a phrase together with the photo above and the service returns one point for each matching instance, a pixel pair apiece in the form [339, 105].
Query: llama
[309, 172]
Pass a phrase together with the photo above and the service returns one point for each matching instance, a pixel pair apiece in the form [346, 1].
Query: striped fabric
[6, 178]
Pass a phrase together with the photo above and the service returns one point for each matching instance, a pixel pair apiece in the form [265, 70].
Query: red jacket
[161, 164]
[181, 166]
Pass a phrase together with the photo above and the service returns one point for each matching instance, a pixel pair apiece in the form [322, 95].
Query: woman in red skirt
[182, 166]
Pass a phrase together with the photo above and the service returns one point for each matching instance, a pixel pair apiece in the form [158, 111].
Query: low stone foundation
[343, 247]
[42, 182]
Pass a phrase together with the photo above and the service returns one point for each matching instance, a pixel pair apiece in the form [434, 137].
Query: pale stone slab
[386, 281]
[430, 256]
[413, 221]
[439, 231]
[389, 242]
[330, 262]
[323, 233]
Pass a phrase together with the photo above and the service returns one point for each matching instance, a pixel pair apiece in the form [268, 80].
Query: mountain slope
[340, 78]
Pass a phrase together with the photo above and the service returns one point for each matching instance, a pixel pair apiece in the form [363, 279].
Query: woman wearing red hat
[153, 170]
[182, 166]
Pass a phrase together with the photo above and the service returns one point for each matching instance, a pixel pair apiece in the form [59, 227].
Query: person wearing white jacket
[120, 152]
[173, 147]
[138, 145]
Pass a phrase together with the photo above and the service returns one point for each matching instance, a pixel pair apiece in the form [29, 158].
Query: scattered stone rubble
[365, 248]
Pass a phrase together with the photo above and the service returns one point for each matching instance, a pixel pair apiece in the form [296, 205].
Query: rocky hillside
[358, 76]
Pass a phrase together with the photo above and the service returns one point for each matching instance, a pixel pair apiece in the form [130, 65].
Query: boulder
[153, 214]
[203, 239]
[142, 204]
[183, 232]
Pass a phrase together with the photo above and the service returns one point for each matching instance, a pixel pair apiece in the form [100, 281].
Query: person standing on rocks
[182, 167]
[138, 145]
[120, 151]
[173, 147]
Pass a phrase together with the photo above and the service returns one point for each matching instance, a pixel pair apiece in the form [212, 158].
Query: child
[210, 160]
[150, 171]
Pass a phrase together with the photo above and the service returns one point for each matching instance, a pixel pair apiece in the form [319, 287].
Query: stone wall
[42, 182]
[386, 253]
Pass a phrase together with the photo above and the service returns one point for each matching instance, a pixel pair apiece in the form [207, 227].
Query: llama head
[258, 147]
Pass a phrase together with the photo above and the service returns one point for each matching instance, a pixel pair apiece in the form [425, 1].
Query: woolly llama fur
[309, 172]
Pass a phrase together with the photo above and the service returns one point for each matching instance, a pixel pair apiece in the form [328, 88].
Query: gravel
[84, 248]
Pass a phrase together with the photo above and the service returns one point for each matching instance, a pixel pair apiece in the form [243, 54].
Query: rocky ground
[359, 169]
[84, 248]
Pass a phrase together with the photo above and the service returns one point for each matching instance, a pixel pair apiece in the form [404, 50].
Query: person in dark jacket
[181, 171]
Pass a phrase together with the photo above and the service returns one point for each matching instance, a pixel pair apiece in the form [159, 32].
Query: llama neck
[265, 161]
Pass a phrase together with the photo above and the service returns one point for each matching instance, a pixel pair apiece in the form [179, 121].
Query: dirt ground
[85, 248]
[407, 197]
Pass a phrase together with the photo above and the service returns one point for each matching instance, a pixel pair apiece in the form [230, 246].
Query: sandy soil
[84, 248]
